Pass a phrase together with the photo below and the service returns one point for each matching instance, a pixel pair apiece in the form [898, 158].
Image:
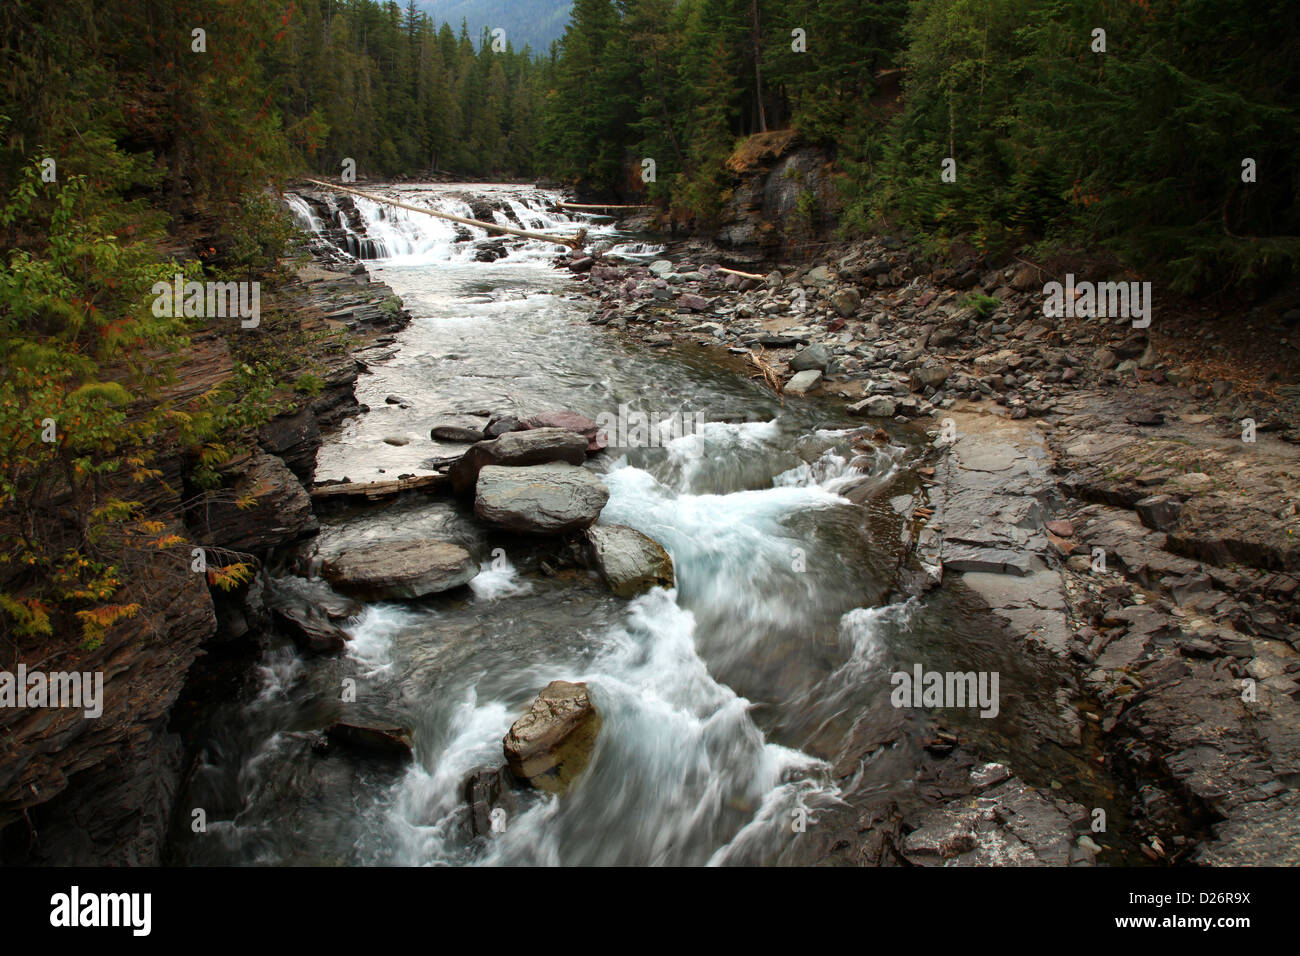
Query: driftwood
[373, 490]
[743, 275]
[578, 205]
[573, 242]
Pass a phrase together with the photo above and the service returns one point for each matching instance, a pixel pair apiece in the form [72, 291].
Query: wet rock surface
[401, 570]
[551, 745]
[541, 499]
[1101, 494]
[628, 560]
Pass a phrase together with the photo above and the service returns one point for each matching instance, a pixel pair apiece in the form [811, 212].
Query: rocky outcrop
[400, 570]
[551, 745]
[539, 499]
[279, 509]
[78, 790]
[99, 791]
[629, 561]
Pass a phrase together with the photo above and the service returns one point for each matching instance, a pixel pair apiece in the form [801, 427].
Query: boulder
[542, 499]
[569, 421]
[803, 382]
[398, 570]
[930, 376]
[629, 561]
[487, 791]
[373, 739]
[813, 357]
[500, 424]
[846, 301]
[537, 446]
[310, 629]
[458, 430]
[551, 745]
[877, 406]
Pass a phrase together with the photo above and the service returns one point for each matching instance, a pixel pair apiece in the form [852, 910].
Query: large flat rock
[541, 499]
[535, 446]
[400, 570]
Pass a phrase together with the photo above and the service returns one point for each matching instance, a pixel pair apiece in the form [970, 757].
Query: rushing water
[724, 701]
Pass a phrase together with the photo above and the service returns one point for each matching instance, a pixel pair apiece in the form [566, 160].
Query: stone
[629, 561]
[489, 789]
[801, 383]
[551, 745]
[500, 425]
[540, 499]
[569, 421]
[458, 430]
[310, 629]
[876, 406]
[535, 446]
[1159, 512]
[1060, 527]
[930, 376]
[813, 357]
[373, 739]
[846, 302]
[400, 570]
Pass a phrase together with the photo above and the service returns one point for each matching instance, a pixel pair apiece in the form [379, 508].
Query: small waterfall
[370, 230]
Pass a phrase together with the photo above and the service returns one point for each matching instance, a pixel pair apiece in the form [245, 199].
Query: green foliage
[1136, 150]
[398, 94]
[982, 304]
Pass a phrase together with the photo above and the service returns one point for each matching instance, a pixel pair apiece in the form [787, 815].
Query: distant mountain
[527, 22]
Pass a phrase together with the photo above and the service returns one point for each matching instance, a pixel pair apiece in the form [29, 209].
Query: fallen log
[573, 242]
[578, 205]
[374, 490]
[743, 275]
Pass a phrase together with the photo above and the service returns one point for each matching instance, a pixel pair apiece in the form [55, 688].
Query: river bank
[947, 477]
[1097, 487]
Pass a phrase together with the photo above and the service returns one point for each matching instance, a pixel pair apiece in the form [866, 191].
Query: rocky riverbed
[545, 637]
[1101, 493]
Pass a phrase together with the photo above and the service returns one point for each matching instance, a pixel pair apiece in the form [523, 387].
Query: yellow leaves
[169, 541]
[213, 454]
[96, 621]
[29, 614]
[152, 527]
[115, 510]
[231, 576]
[244, 502]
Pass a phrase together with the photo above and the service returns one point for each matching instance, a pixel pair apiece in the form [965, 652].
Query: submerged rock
[551, 745]
[398, 570]
[629, 561]
[373, 739]
[539, 498]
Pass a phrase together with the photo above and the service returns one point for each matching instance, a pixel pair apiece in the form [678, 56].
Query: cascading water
[724, 700]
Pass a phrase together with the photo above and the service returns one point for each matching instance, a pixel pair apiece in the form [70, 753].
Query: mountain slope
[527, 22]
